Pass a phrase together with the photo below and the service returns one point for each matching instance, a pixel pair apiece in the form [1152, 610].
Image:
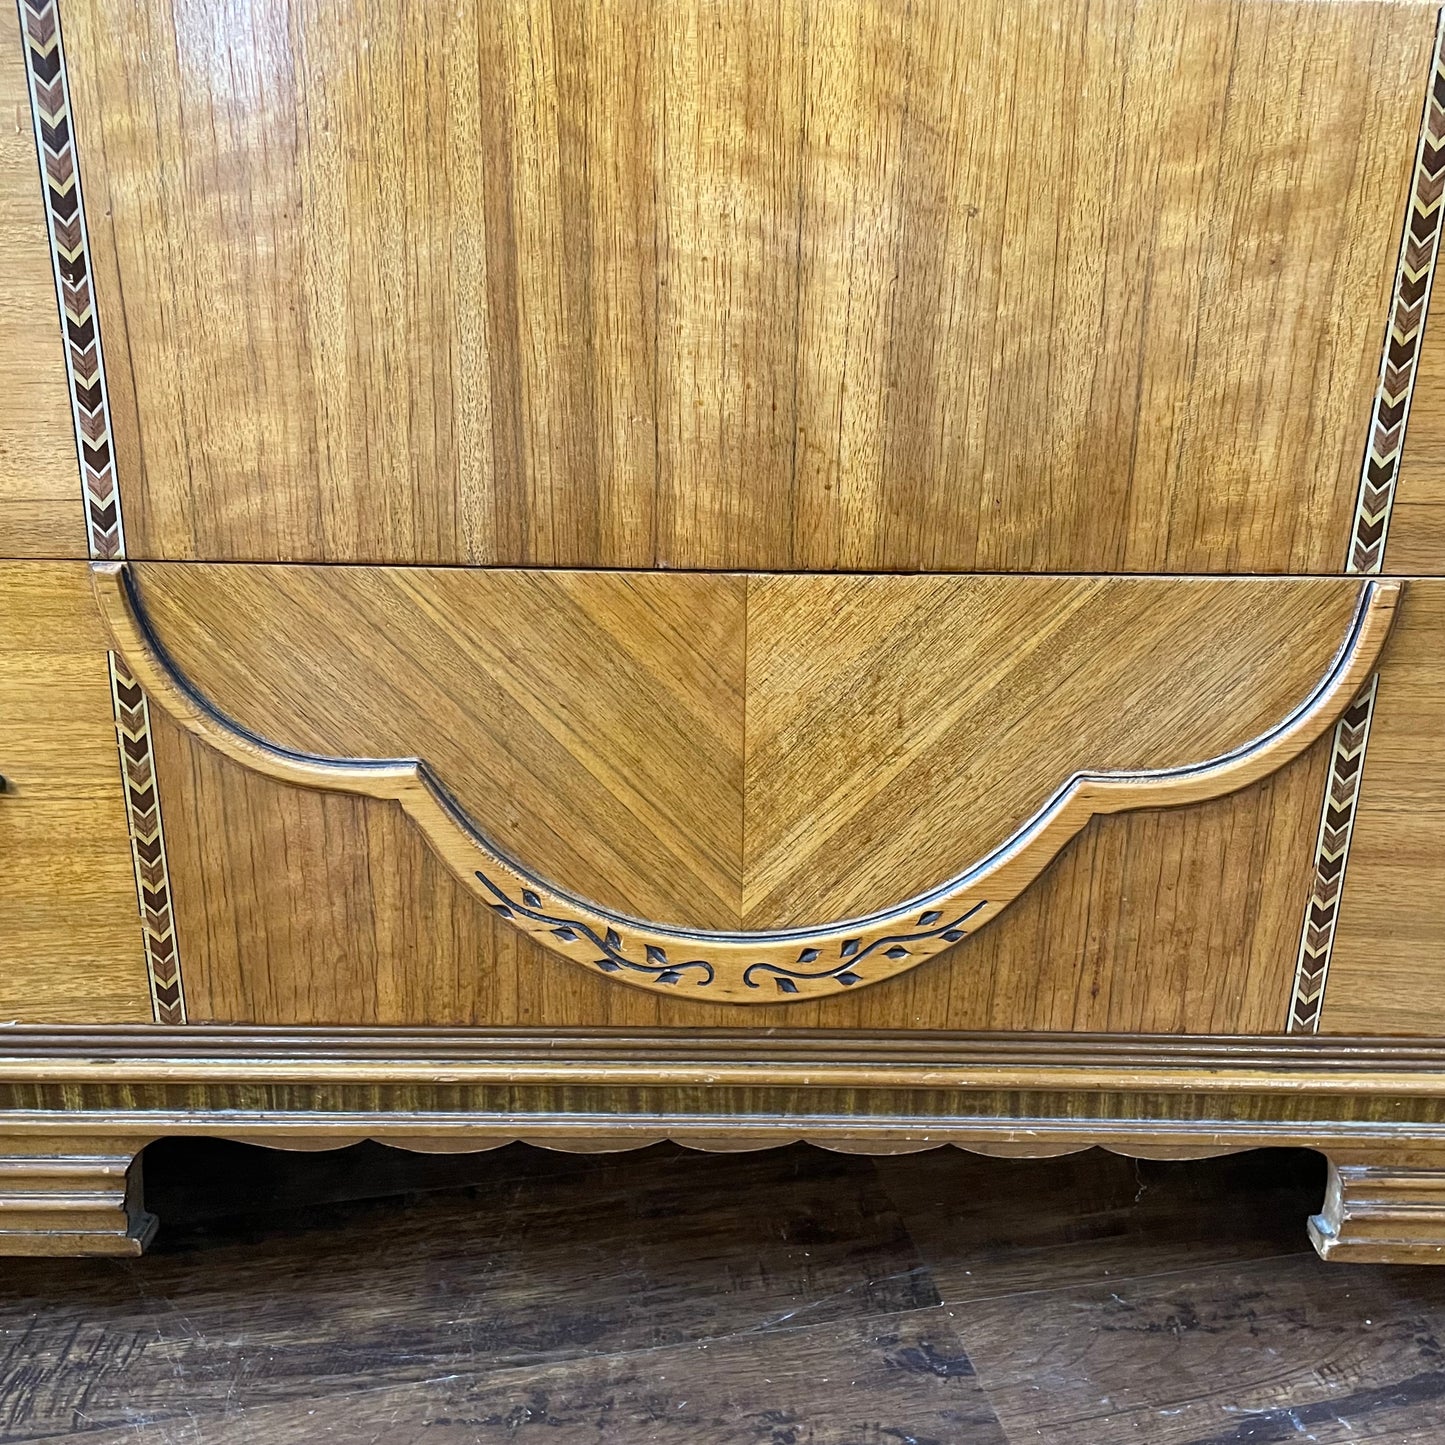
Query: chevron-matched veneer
[1233, 702]
[855, 571]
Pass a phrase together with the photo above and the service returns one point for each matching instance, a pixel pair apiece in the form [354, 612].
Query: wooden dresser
[595, 571]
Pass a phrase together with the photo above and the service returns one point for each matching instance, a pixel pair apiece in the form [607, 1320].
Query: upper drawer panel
[1008, 285]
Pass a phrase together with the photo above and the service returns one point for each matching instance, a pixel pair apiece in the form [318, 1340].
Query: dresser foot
[71, 1198]
[1382, 1214]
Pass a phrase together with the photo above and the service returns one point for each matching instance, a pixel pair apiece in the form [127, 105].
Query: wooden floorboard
[1007, 1226]
[1263, 1351]
[896, 1379]
[792, 1297]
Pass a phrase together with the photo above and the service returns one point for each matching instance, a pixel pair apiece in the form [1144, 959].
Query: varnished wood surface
[302, 907]
[40, 509]
[71, 1197]
[1159, 922]
[1389, 965]
[1374, 1214]
[1016, 286]
[70, 935]
[297, 908]
[692, 1059]
[754, 752]
[590, 724]
[875, 738]
[1417, 524]
[665, 1298]
[78, 1105]
[76, 1108]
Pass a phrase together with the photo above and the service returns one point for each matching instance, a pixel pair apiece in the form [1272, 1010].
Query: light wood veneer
[1417, 527]
[1389, 968]
[1010, 286]
[40, 509]
[70, 948]
[801, 472]
[878, 933]
[746, 752]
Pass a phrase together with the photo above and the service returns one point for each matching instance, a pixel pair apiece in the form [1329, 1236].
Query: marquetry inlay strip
[148, 844]
[1411, 299]
[1405, 333]
[1414, 274]
[100, 492]
[70, 258]
[1332, 853]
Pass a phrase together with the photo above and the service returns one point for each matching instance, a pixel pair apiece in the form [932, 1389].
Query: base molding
[77, 1107]
[1382, 1214]
[71, 1197]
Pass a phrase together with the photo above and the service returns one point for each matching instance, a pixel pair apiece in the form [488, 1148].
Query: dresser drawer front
[792, 300]
[1010, 286]
[309, 887]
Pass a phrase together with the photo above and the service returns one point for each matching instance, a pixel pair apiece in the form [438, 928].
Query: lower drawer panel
[321, 904]
[301, 907]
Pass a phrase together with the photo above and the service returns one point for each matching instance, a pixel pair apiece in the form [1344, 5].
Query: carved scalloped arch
[764, 966]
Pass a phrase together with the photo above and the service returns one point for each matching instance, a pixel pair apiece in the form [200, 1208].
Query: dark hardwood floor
[793, 1297]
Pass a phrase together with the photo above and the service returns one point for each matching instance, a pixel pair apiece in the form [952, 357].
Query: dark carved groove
[611, 943]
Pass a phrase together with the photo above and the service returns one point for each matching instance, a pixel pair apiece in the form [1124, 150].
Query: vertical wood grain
[70, 936]
[1417, 525]
[40, 506]
[1017, 285]
[303, 907]
[1388, 971]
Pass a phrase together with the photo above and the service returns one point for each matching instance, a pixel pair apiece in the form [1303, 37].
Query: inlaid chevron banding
[148, 844]
[70, 257]
[1332, 852]
[100, 495]
[1414, 274]
[1418, 250]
